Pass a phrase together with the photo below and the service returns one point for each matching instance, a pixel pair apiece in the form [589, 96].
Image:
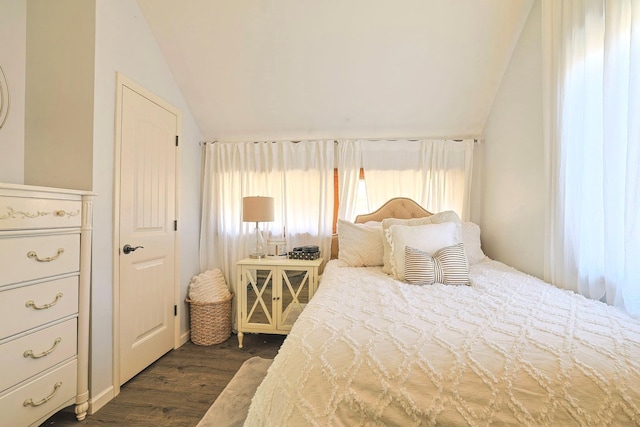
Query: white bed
[508, 349]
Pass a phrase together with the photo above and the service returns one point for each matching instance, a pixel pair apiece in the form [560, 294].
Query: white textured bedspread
[507, 350]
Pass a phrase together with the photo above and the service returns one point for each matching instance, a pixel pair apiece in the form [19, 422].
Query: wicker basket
[210, 321]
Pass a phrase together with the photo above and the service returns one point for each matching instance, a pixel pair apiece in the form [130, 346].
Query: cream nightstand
[272, 293]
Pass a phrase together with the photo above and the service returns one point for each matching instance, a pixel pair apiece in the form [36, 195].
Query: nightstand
[273, 292]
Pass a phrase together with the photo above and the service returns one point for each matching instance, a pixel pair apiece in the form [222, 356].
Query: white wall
[13, 33]
[124, 43]
[59, 93]
[512, 174]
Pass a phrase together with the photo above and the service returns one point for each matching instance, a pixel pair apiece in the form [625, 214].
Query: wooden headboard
[399, 207]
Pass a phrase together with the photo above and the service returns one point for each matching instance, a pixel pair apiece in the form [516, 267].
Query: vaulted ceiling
[275, 69]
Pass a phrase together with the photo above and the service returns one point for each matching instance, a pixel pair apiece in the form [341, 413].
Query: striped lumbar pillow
[448, 266]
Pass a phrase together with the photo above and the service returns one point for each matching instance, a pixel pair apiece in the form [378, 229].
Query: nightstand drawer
[30, 306]
[33, 257]
[38, 398]
[37, 352]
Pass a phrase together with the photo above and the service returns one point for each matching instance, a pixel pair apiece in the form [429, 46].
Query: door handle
[128, 248]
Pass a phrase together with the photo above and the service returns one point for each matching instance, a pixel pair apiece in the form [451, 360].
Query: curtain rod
[475, 140]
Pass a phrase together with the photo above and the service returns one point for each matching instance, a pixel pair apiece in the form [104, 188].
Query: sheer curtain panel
[349, 157]
[435, 173]
[299, 176]
[592, 141]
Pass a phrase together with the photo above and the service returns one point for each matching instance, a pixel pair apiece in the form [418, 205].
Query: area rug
[231, 407]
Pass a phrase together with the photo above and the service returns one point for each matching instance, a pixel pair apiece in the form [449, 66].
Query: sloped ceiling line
[268, 69]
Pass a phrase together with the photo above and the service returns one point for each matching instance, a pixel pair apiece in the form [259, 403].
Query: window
[593, 96]
[362, 206]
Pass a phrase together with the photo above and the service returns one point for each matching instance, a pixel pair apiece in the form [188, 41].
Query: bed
[503, 349]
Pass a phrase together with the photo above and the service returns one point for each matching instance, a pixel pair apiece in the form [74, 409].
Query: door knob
[128, 248]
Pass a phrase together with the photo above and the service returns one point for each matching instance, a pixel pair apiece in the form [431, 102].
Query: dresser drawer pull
[33, 305]
[29, 353]
[30, 402]
[34, 255]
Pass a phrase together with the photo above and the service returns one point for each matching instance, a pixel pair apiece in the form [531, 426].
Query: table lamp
[257, 209]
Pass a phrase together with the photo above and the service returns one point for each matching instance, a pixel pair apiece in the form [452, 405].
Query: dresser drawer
[34, 353]
[21, 213]
[18, 315]
[33, 257]
[42, 396]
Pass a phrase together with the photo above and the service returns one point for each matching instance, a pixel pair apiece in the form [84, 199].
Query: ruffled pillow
[428, 238]
[445, 216]
[471, 239]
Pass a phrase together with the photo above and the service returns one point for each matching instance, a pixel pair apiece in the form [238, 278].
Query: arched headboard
[398, 207]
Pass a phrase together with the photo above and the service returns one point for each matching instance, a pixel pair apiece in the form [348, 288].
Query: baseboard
[97, 402]
[184, 338]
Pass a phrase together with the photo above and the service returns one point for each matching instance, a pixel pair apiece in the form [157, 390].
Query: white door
[147, 215]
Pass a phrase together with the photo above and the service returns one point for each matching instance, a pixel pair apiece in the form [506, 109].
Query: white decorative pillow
[471, 239]
[448, 266]
[445, 216]
[428, 238]
[359, 245]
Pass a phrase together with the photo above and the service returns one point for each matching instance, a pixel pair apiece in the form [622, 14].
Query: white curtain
[349, 159]
[435, 173]
[299, 176]
[592, 140]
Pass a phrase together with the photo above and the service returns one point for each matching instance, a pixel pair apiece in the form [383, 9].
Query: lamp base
[258, 251]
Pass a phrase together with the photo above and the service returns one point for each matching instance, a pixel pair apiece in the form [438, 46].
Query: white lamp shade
[257, 209]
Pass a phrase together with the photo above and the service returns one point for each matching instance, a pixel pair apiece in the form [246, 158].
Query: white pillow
[471, 239]
[359, 245]
[428, 238]
[445, 216]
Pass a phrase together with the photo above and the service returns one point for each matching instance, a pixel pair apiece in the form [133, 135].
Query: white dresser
[45, 274]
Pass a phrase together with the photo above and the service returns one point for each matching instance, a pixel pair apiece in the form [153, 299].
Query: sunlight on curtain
[435, 173]
[298, 176]
[349, 159]
[592, 139]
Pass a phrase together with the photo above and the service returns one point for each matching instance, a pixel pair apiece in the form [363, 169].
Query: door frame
[122, 82]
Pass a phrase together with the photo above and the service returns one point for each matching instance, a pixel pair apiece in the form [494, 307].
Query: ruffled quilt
[507, 350]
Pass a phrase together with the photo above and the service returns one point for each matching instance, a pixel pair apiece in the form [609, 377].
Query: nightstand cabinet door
[271, 293]
[296, 286]
[258, 297]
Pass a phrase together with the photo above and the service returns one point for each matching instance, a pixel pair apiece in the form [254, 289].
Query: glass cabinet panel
[258, 307]
[295, 294]
[272, 293]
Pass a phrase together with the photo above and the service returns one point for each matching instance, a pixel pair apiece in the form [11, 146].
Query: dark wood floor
[177, 389]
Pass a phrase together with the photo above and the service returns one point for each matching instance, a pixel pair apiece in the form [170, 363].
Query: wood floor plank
[177, 389]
